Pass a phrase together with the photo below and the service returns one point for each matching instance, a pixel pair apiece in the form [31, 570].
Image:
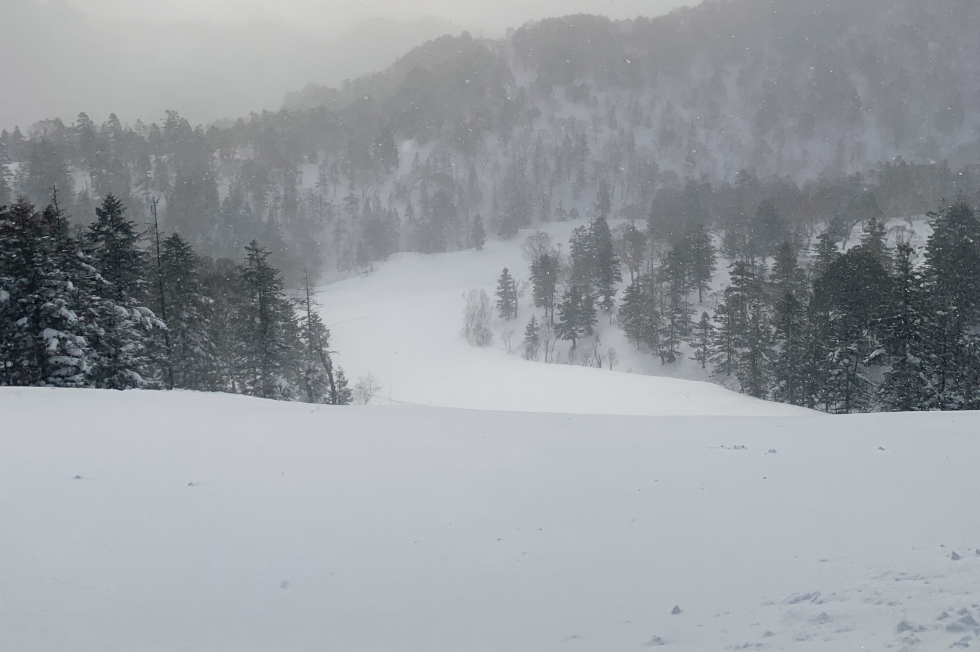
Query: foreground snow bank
[155, 521]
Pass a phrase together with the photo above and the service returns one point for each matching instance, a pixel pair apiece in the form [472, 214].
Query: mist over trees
[209, 70]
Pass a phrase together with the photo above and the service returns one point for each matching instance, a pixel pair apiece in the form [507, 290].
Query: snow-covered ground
[203, 523]
[402, 324]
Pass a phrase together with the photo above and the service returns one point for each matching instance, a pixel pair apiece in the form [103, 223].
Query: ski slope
[402, 324]
[214, 523]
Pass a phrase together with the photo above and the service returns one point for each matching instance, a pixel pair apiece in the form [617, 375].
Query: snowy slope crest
[212, 523]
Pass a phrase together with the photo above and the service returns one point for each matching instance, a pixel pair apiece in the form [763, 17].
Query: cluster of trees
[831, 322]
[656, 312]
[845, 330]
[96, 308]
[572, 290]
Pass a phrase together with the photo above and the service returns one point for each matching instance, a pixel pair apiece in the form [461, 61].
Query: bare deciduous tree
[477, 319]
[612, 358]
[366, 389]
[507, 338]
[536, 244]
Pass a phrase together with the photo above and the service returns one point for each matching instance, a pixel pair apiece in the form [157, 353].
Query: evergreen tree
[478, 235]
[724, 347]
[640, 312]
[576, 315]
[160, 302]
[634, 246]
[675, 320]
[754, 360]
[42, 334]
[507, 295]
[193, 200]
[44, 169]
[603, 202]
[532, 339]
[544, 280]
[786, 274]
[702, 340]
[268, 327]
[790, 340]
[5, 194]
[850, 297]
[114, 246]
[190, 354]
[607, 267]
[119, 325]
[743, 336]
[766, 231]
[221, 282]
[825, 253]
[701, 259]
[344, 394]
[787, 283]
[318, 381]
[582, 255]
[906, 387]
[952, 284]
[873, 240]
[818, 359]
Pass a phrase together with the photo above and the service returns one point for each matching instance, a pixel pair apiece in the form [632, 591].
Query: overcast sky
[239, 56]
[336, 15]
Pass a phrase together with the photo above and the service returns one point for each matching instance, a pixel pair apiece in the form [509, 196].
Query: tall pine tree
[119, 323]
[507, 295]
[952, 284]
[267, 327]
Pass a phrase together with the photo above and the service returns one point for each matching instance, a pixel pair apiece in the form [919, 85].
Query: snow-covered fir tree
[42, 335]
[532, 339]
[576, 315]
[119, 325]
[267, 326]
[506, 295]
[188, 354]
[702, 338]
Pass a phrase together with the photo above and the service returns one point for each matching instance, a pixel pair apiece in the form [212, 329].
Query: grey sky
[335, 15]
[238, 56]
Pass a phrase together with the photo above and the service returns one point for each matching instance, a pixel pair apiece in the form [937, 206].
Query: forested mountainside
[777, 85]
[697, 116]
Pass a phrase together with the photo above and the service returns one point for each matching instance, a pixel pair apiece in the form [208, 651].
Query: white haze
[331, 15]
[216, 59]
[206, 71]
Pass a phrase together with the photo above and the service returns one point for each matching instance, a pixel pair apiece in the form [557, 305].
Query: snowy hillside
[402, 324]
[205, 523]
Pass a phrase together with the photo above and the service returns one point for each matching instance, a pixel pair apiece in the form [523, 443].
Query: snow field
[402, 323]
[180, 521]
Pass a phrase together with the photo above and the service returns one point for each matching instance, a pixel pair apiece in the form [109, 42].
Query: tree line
[109, 306]
[816, 322]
